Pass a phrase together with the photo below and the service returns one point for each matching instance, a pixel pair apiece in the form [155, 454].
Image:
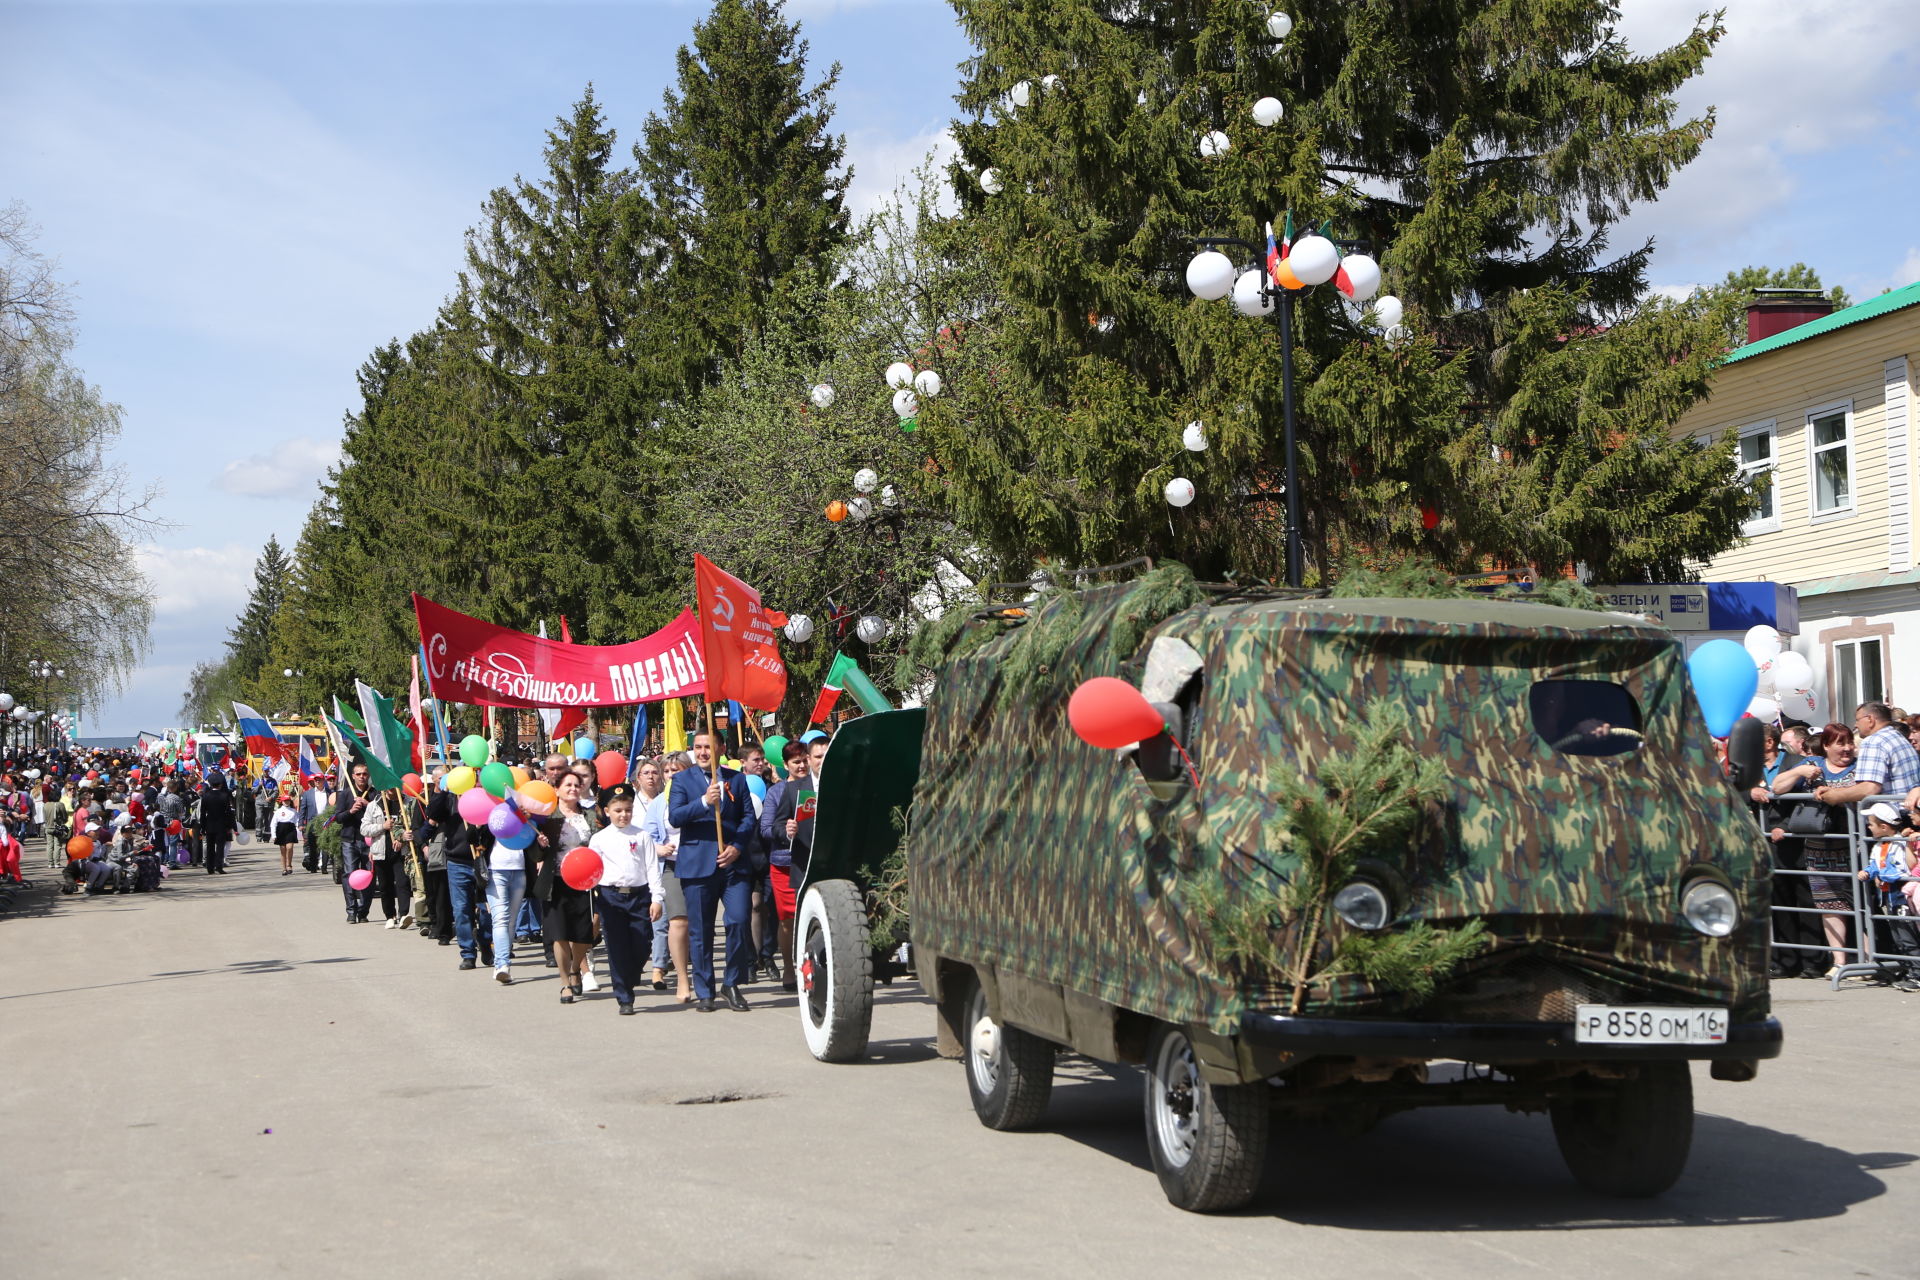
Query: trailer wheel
[1009, 1071]
[1634, 1142]
[1208, 1141]
[836, 971]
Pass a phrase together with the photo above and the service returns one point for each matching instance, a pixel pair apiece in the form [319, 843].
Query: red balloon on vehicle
[1108, 712]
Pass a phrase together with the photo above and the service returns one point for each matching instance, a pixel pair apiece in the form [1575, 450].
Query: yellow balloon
[462, 780]
[519, 777]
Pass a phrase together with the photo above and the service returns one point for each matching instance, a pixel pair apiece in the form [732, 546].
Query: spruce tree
[250, 642]
[742, 181]
[1482, 152]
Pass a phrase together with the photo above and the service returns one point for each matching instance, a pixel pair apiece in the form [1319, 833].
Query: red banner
[480, 664]
[737, 636]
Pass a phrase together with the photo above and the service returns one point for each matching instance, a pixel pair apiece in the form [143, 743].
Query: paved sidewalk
[224, 1080]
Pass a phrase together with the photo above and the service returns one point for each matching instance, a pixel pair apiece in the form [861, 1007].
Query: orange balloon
[537, 797]
[836, 511]
[79, 847]
[519, 777]
[1284, 274]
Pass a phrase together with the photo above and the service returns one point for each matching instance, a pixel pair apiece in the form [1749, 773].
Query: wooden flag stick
[713, 744]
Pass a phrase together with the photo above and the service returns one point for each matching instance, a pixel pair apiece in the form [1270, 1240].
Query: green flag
[389, 743]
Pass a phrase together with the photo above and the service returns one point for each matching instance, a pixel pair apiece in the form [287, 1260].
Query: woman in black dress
[566, 918]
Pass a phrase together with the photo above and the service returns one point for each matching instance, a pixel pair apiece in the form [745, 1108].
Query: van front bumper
[1489, 1043]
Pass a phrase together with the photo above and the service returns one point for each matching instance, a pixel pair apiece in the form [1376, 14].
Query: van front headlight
[1710, 908]
[1363, 905]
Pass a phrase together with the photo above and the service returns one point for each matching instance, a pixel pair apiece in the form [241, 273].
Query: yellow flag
[673, 721]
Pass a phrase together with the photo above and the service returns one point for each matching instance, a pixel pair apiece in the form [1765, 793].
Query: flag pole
[713, 742]
[439, 725]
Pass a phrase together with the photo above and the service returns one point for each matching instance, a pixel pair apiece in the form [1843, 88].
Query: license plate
[1648, 1024]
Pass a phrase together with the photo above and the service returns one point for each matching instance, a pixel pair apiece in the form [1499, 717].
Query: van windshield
[1585, 717]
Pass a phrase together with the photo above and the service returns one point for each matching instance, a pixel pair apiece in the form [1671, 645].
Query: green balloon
[496, 779]
[473, 751]
[776, 748]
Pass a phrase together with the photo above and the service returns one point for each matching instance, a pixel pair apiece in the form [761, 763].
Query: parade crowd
[677, 847]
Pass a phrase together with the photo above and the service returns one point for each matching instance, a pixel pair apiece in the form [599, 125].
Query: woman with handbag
[1825, 847]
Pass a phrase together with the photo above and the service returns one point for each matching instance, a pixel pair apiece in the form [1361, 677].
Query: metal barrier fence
[1879, 934]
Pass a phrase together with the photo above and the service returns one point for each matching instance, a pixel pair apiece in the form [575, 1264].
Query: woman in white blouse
[566, 918]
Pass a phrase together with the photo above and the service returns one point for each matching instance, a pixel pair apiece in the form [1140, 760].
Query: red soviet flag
[737, 637]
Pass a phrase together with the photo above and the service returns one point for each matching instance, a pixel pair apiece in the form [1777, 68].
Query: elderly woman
[1831, 888]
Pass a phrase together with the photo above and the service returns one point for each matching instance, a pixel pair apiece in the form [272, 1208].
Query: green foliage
[1483, 151]
[1031, 661]
[1370, 802]
[1154, 597]
[1744, 282]
[250, 642]
[1419, 578]
[887, 891]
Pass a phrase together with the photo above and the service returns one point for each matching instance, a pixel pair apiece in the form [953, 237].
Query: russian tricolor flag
[261, 740]
[309, 767]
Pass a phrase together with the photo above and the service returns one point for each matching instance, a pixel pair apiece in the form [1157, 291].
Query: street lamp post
[47, 673]
[1256, 289]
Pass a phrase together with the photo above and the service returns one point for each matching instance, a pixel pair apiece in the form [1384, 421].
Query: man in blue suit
[711, 873]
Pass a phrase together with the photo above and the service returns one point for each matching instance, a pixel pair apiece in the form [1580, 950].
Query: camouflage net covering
[1045, 857]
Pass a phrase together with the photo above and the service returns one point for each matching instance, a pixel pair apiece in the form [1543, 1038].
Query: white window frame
[1848, 669]
[1814, 515]
[1748, 470]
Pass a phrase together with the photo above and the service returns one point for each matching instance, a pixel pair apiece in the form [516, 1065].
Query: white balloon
[899, 374]
[1214, 144]
[905, 403]
[1021, 94]
[1362, 275]
[1248, 297]
[990, 181]
[822, 396]
[1792, 673]
[799, 628]
[927, 383]
[889, 496]
[1210, 275]
[1766, 688]
[1194, 438]
[1764, 709]
[860, 508]
[865, 479]
[1763, 642]
[6, 702]
[1387, 312]
[1179, 491]
[1268, 112]
[1050, 83]
[1279, 26]
[871, 629]
[1314, 259]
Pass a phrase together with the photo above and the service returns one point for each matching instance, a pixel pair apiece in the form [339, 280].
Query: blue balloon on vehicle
[584, 749]
[1725, 677]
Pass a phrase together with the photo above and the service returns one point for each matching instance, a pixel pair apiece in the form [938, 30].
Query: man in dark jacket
[353, 801]
[216, 822]
[466, 849]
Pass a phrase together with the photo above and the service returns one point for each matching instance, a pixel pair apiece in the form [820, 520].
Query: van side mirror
[1747, 752]
[1158, 757]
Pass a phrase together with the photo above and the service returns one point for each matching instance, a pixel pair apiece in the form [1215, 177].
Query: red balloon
[413, 785]
[610, 767]
[1110, 713]
[93, 775]
[173, 828]
[582, 869]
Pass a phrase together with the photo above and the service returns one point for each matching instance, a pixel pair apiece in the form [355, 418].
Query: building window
[1830, 437]
[1756, 460]
[1856, 678]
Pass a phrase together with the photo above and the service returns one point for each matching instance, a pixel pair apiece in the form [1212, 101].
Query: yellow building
[1825, 409]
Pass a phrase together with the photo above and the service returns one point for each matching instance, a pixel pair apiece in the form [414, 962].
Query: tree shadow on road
[1482, 1168]
[173, 975]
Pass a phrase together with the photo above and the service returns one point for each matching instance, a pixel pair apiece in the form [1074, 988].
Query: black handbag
[1808, 818]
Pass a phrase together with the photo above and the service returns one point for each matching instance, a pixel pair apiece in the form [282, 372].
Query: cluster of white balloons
[1786, 678]
[910, 386]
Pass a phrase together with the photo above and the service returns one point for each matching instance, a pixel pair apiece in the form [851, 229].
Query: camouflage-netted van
[1576, 898]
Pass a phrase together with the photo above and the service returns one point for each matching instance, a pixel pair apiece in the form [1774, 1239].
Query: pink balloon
[476, 806]
[360, 879]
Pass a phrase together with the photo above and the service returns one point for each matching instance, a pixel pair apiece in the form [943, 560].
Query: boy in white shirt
[630, 894]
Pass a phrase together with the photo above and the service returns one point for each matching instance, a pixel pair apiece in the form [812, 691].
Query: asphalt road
[225, 1080]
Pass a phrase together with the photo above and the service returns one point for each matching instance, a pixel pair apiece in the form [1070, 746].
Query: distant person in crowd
[216, 822]
[286, 828]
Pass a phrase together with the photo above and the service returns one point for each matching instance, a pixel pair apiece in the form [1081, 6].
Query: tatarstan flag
[830, 688]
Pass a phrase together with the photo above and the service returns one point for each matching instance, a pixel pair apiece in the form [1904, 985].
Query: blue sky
[249, 197]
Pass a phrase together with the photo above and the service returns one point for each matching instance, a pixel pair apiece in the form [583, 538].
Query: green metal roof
[1897, 300]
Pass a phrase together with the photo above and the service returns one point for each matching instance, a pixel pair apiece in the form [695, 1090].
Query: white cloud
[198, 581]
[882, 162]
[1909, 269]
[289, 467]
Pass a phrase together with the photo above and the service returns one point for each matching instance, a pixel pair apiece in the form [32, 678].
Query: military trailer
[1571, 915]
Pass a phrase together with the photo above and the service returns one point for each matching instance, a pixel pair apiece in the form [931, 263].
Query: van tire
[1208, 1141]
[1634, 1142]
[1009, 1071]
[835, 970]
